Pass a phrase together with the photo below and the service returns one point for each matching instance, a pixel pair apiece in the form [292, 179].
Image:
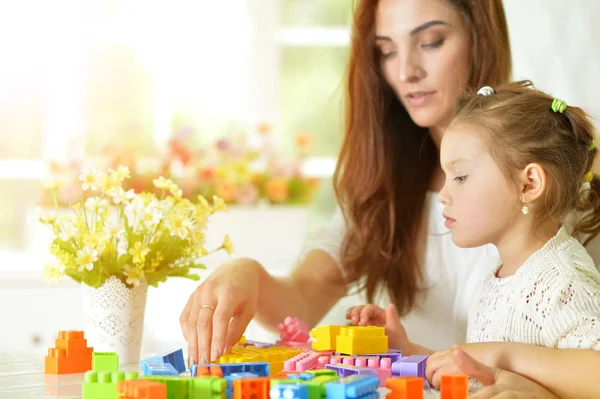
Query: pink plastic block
[293, 329]
[302, 362]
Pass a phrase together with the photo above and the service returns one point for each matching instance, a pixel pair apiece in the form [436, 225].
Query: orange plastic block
[405, 388]
[70, 354]
[202, 371]
[454, 386]
[325, 338]
[216, 371]
[141, 389]
[251, 388]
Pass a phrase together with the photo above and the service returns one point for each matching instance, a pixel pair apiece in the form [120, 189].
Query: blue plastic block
[157, 368]
[288, 391]
[261, 369]
[174, 358]
[303, 376]
[355, 387]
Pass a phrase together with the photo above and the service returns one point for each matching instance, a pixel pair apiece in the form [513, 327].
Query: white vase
[114, 318]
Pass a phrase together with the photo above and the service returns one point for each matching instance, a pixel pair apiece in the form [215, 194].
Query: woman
[409, 62]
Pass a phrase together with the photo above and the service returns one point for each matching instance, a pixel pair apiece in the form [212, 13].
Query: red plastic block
[141, 389]
[251, 388]
[454, 386]
[405, 388]
[70, 354]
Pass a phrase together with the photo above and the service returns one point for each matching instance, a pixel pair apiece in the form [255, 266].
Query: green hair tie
[558, 105]
[592, 146]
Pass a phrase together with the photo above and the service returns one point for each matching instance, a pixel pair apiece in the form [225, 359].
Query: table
[22, 377]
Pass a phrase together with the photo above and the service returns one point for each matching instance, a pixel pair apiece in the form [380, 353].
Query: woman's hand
[218, 312]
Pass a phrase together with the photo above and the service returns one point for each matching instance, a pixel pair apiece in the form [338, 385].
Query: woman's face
[425, 56]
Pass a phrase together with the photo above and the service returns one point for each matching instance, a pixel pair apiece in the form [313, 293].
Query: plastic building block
[177, 387]
[103, 384]
[251, 388]
[242, 341]
[208, 388]
[410, 366]
[105, 361]
[174, 358]
[454, 386]
[157, 368]
[70, 354]
[231, 377]
[319, 373]
[261, 369]
[293, 330]
[345, 370]
[141, 389]
[274, 356]
[356, 340]
[325, 337]
[302, 362]
[355, 386]
[405, 388]
[289, 391]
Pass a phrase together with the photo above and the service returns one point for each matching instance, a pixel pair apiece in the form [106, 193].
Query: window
[96, 74]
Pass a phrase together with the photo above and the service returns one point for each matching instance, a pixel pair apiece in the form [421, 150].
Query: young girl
[518, 165]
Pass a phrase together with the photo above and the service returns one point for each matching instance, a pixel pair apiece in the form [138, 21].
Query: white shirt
[452, 274]
[552, 300]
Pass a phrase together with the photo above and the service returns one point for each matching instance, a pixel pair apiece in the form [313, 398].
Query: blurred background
[149, 82]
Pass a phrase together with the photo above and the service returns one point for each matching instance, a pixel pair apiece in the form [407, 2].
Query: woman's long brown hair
[386, 161]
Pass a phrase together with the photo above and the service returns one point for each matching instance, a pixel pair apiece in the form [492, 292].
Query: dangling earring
[525, 208]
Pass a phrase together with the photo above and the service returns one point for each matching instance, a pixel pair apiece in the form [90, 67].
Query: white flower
[162, 183]
[91, 179]
[53, 271]
[113, 230]
[152, 217]
[48, 217]
[66, 229]
[96, 205]
[122, 245]
[178, 225]
[86, 258]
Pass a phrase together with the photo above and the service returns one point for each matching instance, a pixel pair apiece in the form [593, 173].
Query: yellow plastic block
[274, 355]
[325, 337]
[358, 340]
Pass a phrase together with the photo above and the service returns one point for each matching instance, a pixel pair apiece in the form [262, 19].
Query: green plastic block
[208, 388]
[103, 384]
[321, 372]
[105, 361]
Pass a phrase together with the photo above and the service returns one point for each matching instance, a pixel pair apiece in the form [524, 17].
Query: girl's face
[481, 204]
[425, 56]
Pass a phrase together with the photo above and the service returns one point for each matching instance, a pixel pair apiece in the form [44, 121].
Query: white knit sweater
[552, 300]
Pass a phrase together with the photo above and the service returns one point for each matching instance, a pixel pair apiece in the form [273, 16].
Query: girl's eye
[460, 179]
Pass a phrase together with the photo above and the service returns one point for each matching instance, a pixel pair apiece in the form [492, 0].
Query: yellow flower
[175, 191]
[53, 271]
[111, 182]
[53, 184]
[227, 244]
[48, 217]
[219, 204]
[123, 173]
[139, 252]
[133, 275]
[162, 183]
[203, 204]
[90, 179]
[86, 258]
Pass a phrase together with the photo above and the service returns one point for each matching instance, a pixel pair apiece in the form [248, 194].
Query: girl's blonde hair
[520, 127]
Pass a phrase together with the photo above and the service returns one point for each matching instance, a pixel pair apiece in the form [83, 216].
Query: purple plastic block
[345, 370]
[394, 355]
[410, 366]
[257, 344]
[342, 371]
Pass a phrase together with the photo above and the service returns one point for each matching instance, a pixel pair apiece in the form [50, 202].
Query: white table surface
[22, 376]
